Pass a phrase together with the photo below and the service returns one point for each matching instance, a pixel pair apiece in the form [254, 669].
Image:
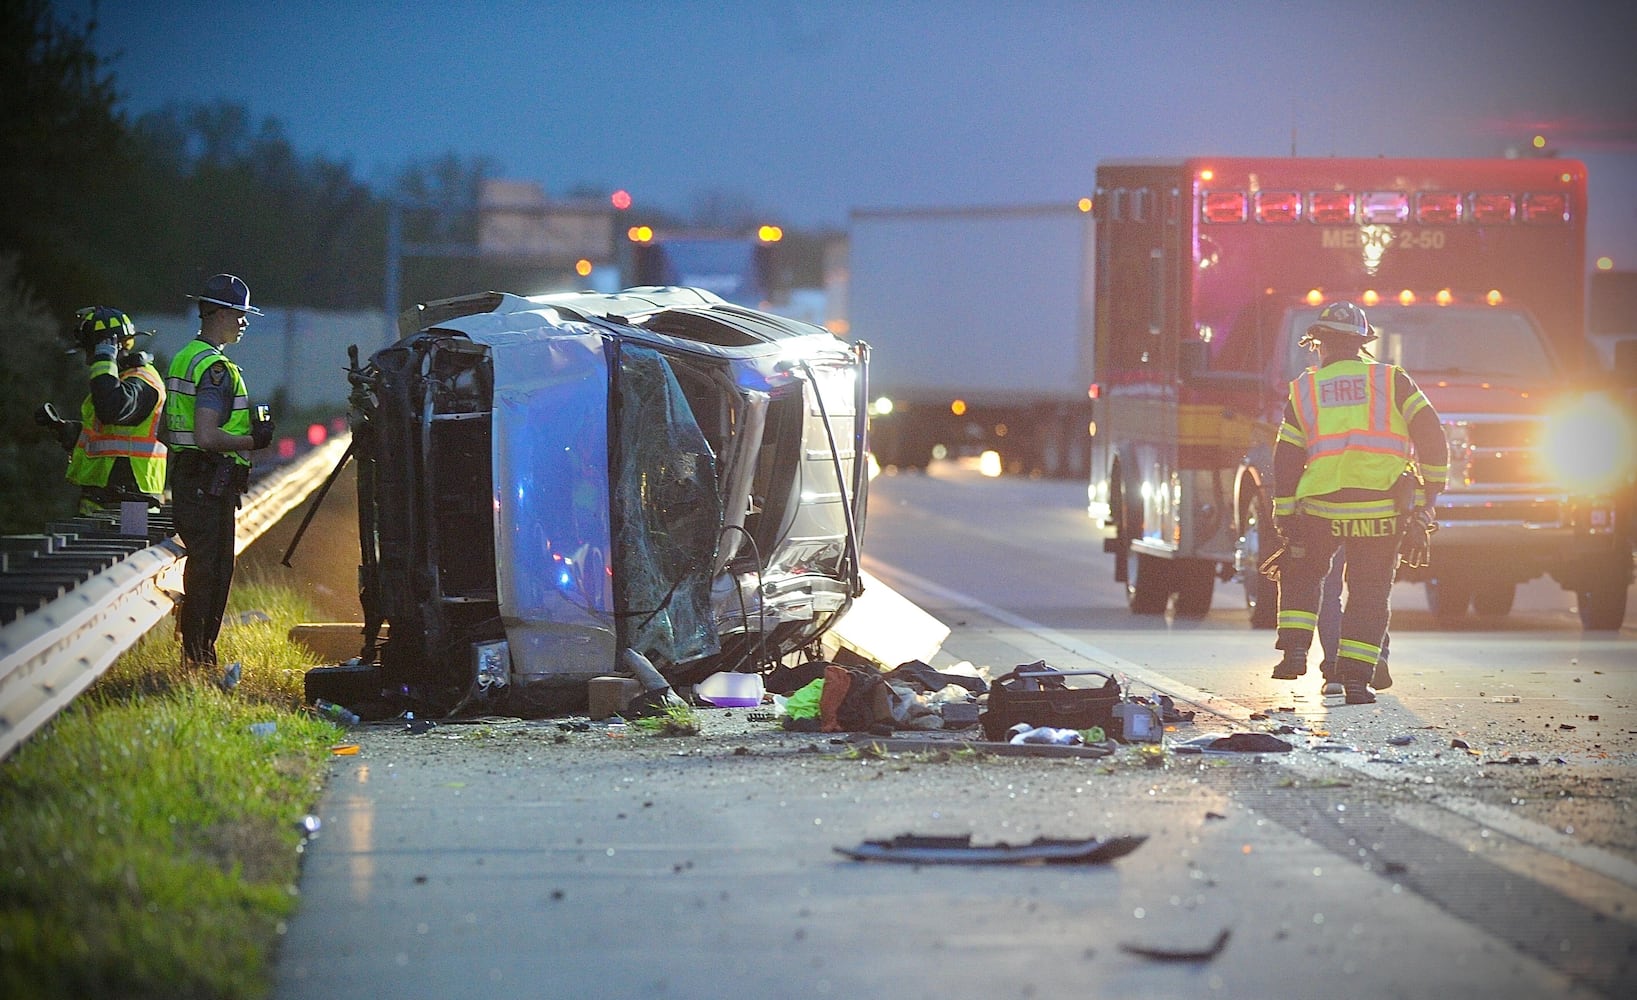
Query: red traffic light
[621, 199]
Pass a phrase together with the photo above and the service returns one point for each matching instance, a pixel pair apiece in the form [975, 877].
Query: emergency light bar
[1278, 206]
[1546, 207]
[1438, 206]
[1374, 208]
[1491, 208]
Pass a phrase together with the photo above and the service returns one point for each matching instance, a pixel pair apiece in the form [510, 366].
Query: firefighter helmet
[1339, 320]
[227, 291]
[101, 324]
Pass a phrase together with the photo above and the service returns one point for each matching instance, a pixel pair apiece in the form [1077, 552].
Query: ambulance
[1209, 270]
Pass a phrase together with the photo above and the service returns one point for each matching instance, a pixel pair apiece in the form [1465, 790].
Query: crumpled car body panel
[566, 477]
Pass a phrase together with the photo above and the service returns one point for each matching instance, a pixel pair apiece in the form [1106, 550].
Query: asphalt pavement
[519, 858]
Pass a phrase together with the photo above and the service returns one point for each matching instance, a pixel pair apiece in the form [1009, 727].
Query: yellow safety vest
[100, 444]
[1356, 435]
[183, 383]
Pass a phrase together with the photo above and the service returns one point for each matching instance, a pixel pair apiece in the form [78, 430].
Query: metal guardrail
[50, 656]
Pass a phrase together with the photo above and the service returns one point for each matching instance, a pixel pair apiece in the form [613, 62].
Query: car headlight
[1588, 445]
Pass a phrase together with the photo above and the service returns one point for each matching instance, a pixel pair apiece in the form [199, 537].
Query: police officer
[211, 428]
[1344, 479]
[114, 448]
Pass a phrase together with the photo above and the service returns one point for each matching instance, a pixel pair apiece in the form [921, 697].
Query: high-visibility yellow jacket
[182, 385]
[100, 445]
[1352, 421]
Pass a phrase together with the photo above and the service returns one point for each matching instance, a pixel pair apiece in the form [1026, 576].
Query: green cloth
[804, 704]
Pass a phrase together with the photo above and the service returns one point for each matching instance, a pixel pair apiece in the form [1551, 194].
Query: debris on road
[909, 848]
[1179, 954]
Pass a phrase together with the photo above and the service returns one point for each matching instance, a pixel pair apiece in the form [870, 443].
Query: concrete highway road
[516, 858]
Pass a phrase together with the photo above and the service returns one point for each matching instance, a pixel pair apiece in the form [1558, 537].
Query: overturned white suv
[552, 485]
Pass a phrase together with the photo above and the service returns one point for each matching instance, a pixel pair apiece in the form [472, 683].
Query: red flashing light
[1492, 208]
[1438, 207]
[1095, 391]
[1278, 206]
[1546, 208]
[1225, 206]
[287, 448]
[621, 199]
[1330, 207]
[316, 434]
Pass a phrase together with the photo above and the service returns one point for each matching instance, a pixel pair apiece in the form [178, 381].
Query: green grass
[675, 718]
[149, 844]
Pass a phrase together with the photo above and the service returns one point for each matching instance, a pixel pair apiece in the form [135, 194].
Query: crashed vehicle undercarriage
[550, 485]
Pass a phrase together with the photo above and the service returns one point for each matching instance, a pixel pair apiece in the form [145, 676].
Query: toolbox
[1037, 694]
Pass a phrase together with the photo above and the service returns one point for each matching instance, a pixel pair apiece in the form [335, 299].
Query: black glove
[67, 432]
[1415, 548]
[261, 433]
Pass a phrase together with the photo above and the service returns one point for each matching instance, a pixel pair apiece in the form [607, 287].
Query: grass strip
[149, 837]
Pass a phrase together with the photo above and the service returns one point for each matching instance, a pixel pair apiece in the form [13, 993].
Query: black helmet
[101, 324]
[228, 291]
[1338, 321]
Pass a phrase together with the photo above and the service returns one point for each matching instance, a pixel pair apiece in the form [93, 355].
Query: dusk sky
[809, 109]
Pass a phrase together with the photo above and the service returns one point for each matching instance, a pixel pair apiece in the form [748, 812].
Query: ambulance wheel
[1195, 581]
[1149, 587]
[1494, 600]
[1259, 541]
[1603, 609]
[1448, 599]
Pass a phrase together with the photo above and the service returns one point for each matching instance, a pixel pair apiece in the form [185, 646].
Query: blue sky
[807, 110]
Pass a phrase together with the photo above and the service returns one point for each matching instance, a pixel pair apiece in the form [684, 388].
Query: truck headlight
[1588, 444]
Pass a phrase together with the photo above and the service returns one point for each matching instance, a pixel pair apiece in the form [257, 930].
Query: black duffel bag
[1038, 695]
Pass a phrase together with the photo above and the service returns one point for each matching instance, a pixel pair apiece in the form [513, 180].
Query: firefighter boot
[1292, 666]
[1355, 680]
[1332, 680]
[1382, 679]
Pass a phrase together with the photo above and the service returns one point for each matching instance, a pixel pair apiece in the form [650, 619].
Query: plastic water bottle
[336, 713]
[1048, 735]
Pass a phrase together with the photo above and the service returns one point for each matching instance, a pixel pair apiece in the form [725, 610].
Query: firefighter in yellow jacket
[1346, 479]
[114, 449]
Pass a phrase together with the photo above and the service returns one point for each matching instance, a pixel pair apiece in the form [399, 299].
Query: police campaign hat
[229, 291]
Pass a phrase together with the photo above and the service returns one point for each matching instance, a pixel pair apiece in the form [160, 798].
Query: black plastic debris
[1160, 954]
[916, 849]
[1459, 744]
[1400, 741]
[1237, 743]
